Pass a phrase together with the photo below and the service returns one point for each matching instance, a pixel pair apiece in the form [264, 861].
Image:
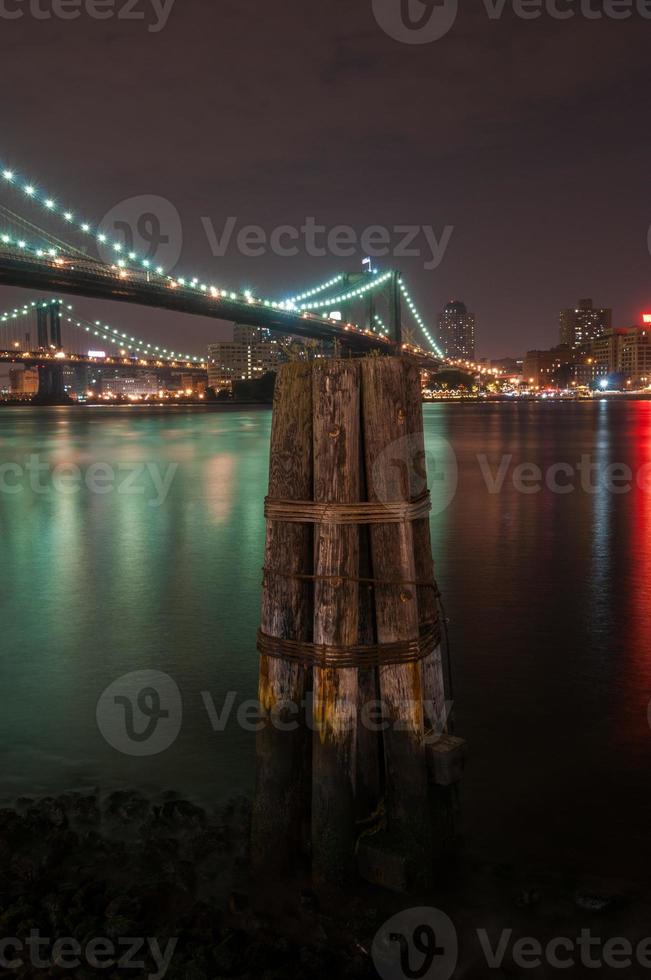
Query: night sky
[530, 138]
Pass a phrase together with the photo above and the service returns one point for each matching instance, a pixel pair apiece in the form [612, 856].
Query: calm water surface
[548, 596]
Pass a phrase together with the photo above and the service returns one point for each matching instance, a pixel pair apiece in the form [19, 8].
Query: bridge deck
[86, 277]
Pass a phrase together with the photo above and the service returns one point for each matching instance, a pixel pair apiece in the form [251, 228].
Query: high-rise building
[250, 354]
[583, 324]
[457, 331]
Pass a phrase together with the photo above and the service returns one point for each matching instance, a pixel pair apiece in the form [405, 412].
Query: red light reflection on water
[637, 629]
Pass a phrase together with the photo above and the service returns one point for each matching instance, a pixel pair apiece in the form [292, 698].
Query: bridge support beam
[55, 324]
[395, 323]
[42, 313]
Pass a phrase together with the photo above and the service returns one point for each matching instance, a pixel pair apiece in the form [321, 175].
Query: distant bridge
[36, 258]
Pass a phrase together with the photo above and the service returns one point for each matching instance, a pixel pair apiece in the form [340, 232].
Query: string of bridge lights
[351, 294]
[381, 324]
[122, 258]
[6, 239]
[418, 318]
[103, 331]
[24, 310]
[87, 228]
[294, 300]
[106, 332]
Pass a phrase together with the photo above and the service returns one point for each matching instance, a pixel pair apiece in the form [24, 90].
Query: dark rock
[527, 898]
[309, 900]
[183, 815]
[358, 967]
[257, 957]
[595, 901]
[84, 810]
[23, 803]
[50, 810]
[24, 868]
[238, 903]
[195, 970]
[225, 957]
[123, 906]
[127, 806]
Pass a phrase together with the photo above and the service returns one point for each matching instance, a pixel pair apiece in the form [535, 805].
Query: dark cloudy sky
[530, 138]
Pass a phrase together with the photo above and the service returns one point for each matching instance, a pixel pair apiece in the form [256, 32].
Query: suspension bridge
[357, 313]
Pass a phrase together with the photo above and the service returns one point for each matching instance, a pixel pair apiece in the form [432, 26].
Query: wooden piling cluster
[351, 680]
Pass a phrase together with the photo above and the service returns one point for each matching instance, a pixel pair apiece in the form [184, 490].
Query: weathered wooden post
[396, 607]
[286, 614]
[350, 610]
[336, 620]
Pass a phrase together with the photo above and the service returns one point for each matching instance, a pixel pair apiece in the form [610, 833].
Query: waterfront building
[136, 384]
[23, 381]
[251, 353]
[625, 352]
[548, 368]
[583, 324]
[193, 385]
[457, 331]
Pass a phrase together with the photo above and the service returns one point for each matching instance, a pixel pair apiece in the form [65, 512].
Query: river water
[131, 539]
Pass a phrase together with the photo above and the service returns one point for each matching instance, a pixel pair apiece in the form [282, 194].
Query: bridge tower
[391, 295]
[41, 325]
[50, 382]
[395, 315]
[55, 324]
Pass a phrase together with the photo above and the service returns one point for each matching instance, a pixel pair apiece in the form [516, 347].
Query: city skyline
[222, 332]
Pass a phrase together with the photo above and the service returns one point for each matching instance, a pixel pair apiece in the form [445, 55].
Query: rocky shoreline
[121, 866]
[85, 867]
